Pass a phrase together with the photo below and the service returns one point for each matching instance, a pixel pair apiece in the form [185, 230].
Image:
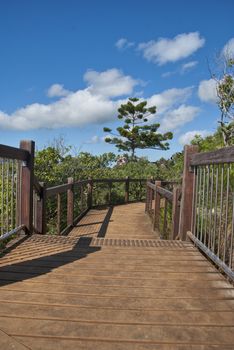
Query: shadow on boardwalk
[20, 264]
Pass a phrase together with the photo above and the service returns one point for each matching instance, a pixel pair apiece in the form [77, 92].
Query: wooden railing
[27, 204]
[61, 207]
[212, 219]
[163, 207]
[201, 208]
[16, 194]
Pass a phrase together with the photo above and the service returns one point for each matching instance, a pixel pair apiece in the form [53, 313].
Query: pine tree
[136, 133]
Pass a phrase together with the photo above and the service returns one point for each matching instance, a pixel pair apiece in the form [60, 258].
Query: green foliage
[225, 92]
[171, 169]
[135, 134]
[211, 142]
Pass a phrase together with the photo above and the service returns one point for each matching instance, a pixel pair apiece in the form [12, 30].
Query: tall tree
[224, 78]
[136, 133]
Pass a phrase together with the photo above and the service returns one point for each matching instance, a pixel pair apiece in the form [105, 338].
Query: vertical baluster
[58, 213]
[203, 201]
[221, 211]
[165, 219]
[215, 208]
[12, 194]
[232, 234]
[7, 195]
[207, 193]
[199, 202]
[2, 193]
[226, 214]
[210, 209]
[194, 208]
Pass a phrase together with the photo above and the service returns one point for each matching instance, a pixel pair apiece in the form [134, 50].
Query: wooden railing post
[90, 194]
[151, 196]
[58, 213]
[109, 194]
[127, 189]
[26, 216]
[175, 211]
[187, 193]
[165, 219]
[41, 210]
[146, 198]
[81, 197]
[157, 200]
[70, 202]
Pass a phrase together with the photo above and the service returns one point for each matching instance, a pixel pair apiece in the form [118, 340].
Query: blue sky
[65, 67]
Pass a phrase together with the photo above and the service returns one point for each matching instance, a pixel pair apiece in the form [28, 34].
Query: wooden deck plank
[119, 292]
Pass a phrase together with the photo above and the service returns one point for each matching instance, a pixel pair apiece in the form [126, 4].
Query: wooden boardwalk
[111, 284]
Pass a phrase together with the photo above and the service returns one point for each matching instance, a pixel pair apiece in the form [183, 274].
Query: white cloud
[207, 91]
[57, 90]
[228, 49]
[168, 74]
[166, 50]
[76, 109]
[111, 83]
[169, 99]
[178, 117]
[187, 66]
[94, 139]
[97, 103]
[123, 44]
[186, 138]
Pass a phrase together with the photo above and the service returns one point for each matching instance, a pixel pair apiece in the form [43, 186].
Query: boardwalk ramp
[112, 284]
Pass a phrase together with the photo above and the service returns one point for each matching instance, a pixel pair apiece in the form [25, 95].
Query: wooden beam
[165, 193]
[27, 186]
[187, 193]
[126, 197]
[90, 194]
[175, 211]
[157, 199]
[14, 153]
[70, 202]
[41, 210]
[224, 155]
[52, 191]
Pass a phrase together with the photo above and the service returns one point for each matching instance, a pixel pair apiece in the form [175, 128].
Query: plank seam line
[108, 285]
[84, 321]
[103, 296]
[101, 307]
[116, 340]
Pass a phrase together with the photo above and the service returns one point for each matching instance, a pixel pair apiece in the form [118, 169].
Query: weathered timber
[126, 195]
[221, 156]
[90, 194]
[14, 153]
[27, 186]
[117, 292]
[187, 193]
[52, 191]
[58, 213]
[70, 202]
[226, 269]
[157, 200]
[41, 210]
[165, 193]
[175, 211]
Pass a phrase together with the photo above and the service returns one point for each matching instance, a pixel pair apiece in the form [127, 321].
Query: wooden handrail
[165, 193]
[52, 191]
[14, 153]
[221, 156]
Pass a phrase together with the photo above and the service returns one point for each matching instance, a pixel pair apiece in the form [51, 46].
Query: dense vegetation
[54, 164]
